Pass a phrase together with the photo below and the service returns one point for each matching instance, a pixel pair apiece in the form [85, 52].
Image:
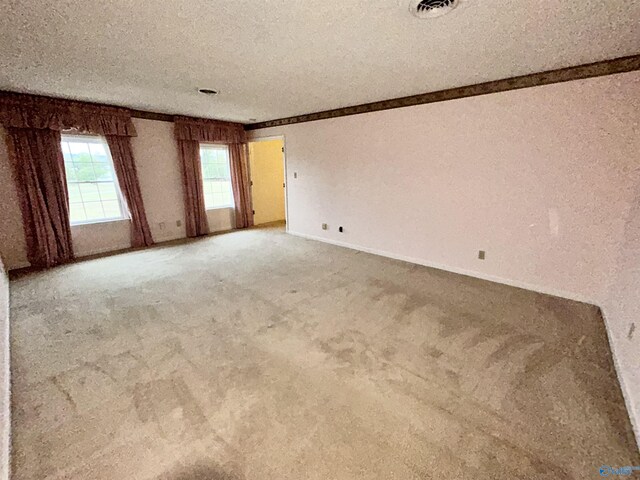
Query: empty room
[319, 239]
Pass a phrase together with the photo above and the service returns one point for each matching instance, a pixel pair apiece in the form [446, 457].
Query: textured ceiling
[277, 58]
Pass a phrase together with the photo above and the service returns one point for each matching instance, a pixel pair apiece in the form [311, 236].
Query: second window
[216, 176]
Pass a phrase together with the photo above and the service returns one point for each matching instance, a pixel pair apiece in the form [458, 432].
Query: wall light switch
[295, 174]
[161, 225]
[481, 254]
[178, 223]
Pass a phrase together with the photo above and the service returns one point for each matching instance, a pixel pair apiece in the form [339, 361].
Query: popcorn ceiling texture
[258, 355]
[278, 59]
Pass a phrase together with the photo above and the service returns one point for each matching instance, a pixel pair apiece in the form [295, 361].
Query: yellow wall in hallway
[267, 174]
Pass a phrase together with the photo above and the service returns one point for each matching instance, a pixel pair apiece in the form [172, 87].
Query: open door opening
[266, 165]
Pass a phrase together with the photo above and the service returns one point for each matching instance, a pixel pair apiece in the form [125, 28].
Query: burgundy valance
[214, 131]
[32, 111]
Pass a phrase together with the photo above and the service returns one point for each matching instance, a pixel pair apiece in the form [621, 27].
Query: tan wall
[541, 178]
[5, 404]
[267, 175]
[156, 158]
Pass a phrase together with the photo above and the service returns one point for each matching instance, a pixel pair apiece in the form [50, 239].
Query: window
[216, 176]
[94, 194]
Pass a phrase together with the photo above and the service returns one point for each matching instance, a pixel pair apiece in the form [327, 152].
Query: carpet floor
[257, 355]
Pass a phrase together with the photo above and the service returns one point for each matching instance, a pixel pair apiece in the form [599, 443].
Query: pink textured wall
[622, 308]
[543, 179]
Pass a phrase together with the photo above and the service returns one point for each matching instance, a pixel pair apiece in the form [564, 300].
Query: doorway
[266, 164]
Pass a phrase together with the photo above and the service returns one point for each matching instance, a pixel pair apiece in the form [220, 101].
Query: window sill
[98, 222]
[228, 207]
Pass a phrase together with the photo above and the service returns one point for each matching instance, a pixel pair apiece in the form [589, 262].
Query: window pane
[94, 210]
[103, 171]
[216, 175]
[74, 193]
[225, 170]
[107, 191]
[208, 170]
[85, 172]
[205, 155]
[111, 209]
[78, 148]
[70, 170]
[91, 181]
[76, 212]
[79, 152]
[65, 151]
[98, 153]
[89, 192]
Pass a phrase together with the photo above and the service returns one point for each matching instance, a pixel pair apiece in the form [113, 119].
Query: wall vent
[432, 8]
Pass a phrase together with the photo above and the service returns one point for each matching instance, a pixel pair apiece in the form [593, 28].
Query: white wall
[156, 157]
[542, 179]
[5, 404]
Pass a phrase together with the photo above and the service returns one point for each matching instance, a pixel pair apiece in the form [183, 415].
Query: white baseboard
[461, 271]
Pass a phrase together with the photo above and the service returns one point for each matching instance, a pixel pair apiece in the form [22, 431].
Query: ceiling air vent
[432, 8]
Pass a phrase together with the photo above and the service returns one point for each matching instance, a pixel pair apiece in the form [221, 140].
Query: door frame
[286, 173]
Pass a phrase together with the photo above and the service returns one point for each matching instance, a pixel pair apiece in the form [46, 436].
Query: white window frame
[224, 148]
[98, 139]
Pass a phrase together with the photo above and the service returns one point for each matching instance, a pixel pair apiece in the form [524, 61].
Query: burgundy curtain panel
[241, 183]
[38, 168]
[33, 126]
[194, 210]
[189, 133]
[125, 167]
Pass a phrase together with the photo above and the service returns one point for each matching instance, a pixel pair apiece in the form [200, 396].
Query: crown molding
[597, 69]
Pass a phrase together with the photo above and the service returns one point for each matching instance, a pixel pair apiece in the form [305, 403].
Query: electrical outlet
[325, 226]
[178, 223]
[340, 229]
[481, 254]
[161, 225]
[295, 174]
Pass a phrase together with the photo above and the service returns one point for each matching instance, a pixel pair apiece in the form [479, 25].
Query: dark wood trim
[160, 117]
[597, 69]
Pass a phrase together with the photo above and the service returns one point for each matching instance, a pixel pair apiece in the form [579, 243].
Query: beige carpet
[258, 355]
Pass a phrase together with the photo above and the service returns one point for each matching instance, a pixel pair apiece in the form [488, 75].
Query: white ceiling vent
[432, 8]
